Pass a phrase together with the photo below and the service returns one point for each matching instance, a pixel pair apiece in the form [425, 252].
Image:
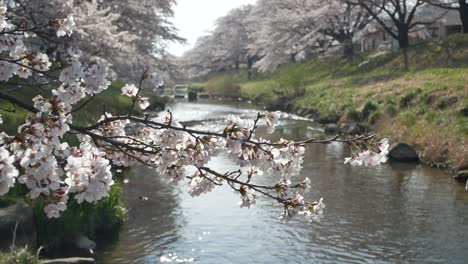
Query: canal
[395, 213]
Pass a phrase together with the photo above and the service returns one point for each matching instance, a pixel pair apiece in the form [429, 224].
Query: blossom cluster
[65, 26]
[369, 157]
[19, 61]
[16, 60]
[132, 91]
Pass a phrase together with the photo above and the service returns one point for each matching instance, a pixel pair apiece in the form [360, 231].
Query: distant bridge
[185, 92]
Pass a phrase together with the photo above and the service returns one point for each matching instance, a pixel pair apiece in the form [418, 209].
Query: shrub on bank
[79, 219]
[290, 80]
[225, 85]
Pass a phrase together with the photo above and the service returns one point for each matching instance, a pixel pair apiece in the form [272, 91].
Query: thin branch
[81, 106]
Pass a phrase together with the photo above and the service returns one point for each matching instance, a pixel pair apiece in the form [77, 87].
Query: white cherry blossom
[272, 120]
[199, 185]
[130, 90]
[73, 73]
[41, 62]
[370, 157]
[143, 102]
[67, 26]
[8, 172]
[95, 78]
[3, 10]
[247, 197]
[7, 70]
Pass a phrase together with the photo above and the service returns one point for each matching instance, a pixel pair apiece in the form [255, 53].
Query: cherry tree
[225, 47]
[249, 34]
[117, 28]
[396, 17]
[38, 157]
[459, 5]
[150, 21]
[234, 32]
[283, 29]
[202, 58]
[341, 20]
[272, 33]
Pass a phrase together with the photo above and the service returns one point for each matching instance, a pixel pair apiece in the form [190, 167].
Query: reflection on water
[396, 213]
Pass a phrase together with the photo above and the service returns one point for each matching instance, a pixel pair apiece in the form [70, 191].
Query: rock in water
[461, 176]
[85, 243]
[331, 128]
[403, 152]
[351, 129]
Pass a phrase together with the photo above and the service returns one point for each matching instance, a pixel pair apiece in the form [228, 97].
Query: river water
[396, 213]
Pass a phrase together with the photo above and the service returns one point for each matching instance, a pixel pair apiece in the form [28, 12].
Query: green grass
[403, 105]
[18, 256]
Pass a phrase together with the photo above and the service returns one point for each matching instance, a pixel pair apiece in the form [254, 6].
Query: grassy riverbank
[426, 106]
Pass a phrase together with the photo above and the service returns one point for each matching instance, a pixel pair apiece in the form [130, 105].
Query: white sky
[194, 18]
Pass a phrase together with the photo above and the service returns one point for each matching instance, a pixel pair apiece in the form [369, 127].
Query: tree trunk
[403, 38]
[463, 9]
[403, 44]
[250, 62]
[293, 57]
[348, 46]
[405, 58]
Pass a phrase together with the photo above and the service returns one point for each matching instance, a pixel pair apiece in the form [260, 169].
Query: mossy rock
[447, 102]
[330, 118]
[408, 100]
[461, 176]
[464, 111]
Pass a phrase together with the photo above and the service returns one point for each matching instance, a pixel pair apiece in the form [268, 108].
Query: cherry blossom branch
[140, 86]
[18, 102]
[8, 110]
[53, 169]
[153, 124]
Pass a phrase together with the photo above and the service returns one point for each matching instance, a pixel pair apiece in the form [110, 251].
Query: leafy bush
[79, 219]
[291, 79]
[227, 85]
[369, 108]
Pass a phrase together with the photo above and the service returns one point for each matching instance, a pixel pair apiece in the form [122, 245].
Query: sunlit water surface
[395, 213]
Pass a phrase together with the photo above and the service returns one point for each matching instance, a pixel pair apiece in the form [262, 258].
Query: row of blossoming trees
[130, 35]
[38, 157]
[274, 32]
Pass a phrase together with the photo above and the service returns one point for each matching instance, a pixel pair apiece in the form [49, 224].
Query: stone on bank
[403, 152]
